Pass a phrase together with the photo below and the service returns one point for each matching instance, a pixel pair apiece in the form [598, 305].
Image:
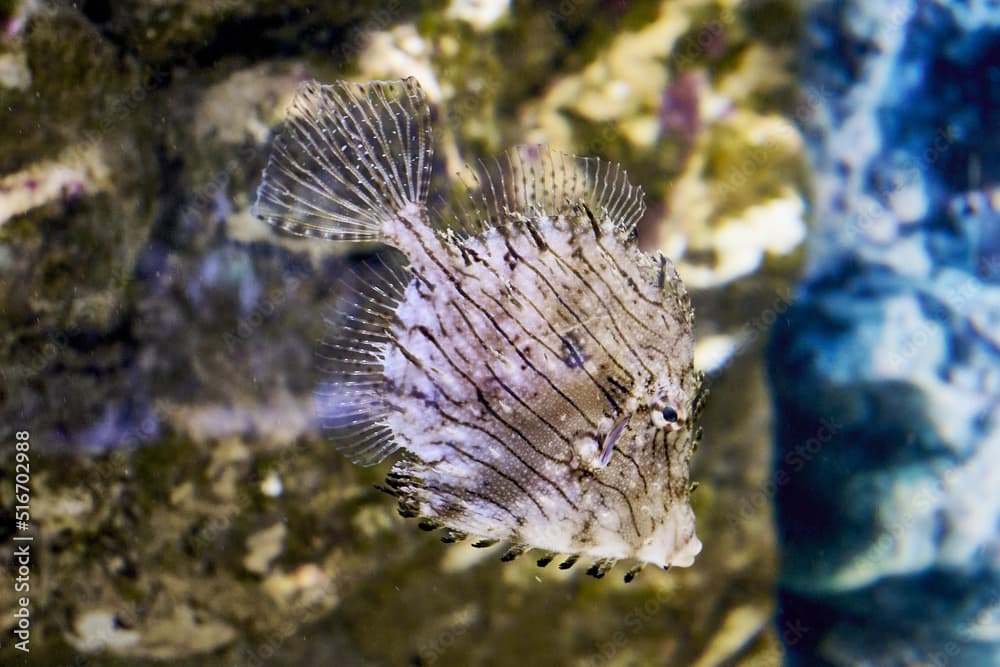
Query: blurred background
[824, 173]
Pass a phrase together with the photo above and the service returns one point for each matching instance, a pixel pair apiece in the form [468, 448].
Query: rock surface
[886, 367]
[158, 342]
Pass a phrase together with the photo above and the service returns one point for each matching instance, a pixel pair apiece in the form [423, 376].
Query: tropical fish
[529, 368]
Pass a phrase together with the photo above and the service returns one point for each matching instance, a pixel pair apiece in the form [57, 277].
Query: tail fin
[351, 156]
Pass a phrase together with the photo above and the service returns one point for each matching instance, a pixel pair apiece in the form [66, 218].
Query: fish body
[532, 374]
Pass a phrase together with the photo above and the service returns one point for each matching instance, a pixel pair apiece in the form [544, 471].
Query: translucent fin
[349, 402]
[351, 156]
[535, 180]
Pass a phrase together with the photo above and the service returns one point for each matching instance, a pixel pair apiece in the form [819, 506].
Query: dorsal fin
[351, 156]
[535, 180]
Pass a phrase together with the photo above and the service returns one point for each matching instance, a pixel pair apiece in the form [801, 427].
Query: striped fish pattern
[529, 368]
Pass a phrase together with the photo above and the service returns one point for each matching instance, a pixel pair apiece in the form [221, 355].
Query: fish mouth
[611, 439]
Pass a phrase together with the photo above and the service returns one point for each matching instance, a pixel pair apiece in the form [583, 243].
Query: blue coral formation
[886, 368]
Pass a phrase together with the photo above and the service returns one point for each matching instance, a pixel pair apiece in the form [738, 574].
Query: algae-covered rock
[158, 341]
[885, 370]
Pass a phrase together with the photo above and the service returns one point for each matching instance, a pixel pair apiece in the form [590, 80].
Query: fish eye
[666, 417]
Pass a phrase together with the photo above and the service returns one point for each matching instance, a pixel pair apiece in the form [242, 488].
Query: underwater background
[824, 174]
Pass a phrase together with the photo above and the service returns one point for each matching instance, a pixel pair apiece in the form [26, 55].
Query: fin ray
[349, 402]
[350, 157]
[536, 180]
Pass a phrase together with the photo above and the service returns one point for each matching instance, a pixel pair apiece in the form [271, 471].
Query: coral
[705, 121]
[81, 172]
[885, 366]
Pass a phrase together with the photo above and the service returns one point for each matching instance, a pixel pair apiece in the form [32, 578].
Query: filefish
[529, 369]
